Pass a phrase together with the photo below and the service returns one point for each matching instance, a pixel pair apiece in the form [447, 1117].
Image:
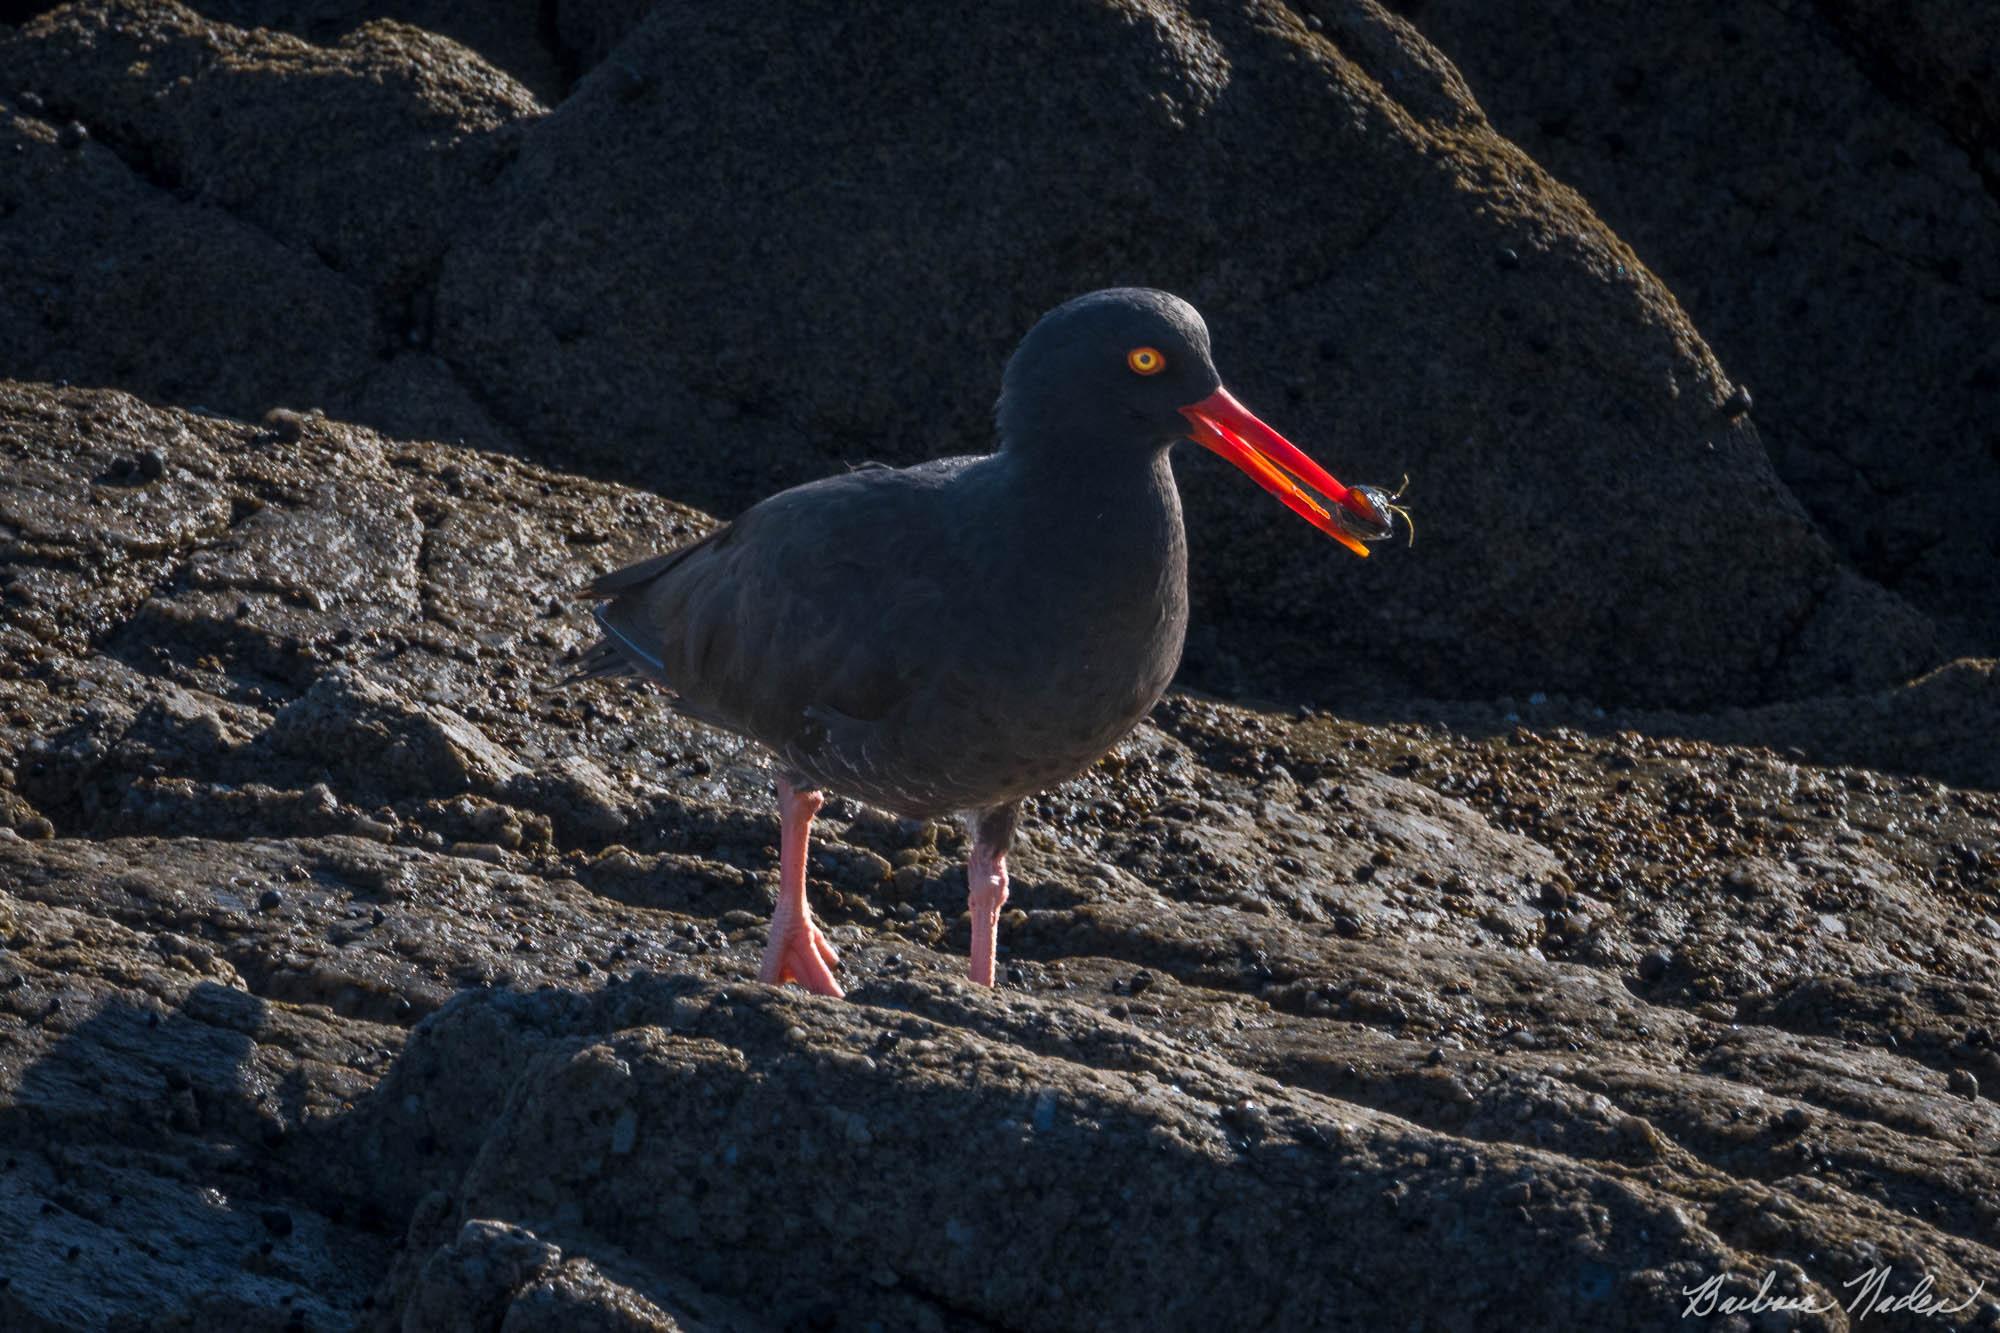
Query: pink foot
[799, 951]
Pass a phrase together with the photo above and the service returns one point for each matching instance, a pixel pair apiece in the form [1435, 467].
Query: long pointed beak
[1224, 426]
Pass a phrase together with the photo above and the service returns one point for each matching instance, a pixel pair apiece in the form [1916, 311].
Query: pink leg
[986, 884]
[987, 874]
[798, 951]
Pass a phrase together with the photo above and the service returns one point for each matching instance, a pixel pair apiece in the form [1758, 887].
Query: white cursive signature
[1870, 1297]
[1917, 1300]
[1707, 1299]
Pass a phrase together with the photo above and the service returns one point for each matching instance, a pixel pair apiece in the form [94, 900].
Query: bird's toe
[805, 957]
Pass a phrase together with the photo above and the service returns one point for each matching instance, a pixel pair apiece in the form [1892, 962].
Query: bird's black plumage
[959, 634]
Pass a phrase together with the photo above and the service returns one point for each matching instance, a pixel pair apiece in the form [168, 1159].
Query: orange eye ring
[1145, 361]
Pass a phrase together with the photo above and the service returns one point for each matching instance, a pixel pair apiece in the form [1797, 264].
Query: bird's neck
[1086, 491]
[1077, 445]
[1108, 535]
[1103, 566]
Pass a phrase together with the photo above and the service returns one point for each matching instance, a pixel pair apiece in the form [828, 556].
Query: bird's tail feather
[601, 661]
[612, 656]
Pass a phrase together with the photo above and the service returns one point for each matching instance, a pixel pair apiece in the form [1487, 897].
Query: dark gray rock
[1817, 184]
[354, 975]
[195, 194]
[866, 234]
[338, 932]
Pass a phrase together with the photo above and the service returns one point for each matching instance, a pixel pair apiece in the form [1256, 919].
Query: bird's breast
[1105, 616]
[1060, 627]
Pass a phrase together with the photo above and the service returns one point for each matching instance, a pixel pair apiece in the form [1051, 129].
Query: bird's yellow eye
[1145, 360]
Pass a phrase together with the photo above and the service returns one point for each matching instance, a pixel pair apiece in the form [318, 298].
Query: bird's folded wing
[828, 595]
[642, 572]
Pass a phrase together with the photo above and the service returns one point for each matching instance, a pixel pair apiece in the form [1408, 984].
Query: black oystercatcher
[951, 637]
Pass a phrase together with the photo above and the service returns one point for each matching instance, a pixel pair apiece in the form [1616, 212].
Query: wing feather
[836, 596]
[642, 572]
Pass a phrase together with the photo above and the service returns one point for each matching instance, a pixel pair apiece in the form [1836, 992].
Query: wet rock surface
[1630, 922]
[350, 976]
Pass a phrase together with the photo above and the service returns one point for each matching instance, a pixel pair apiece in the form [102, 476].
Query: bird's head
[1128, 369]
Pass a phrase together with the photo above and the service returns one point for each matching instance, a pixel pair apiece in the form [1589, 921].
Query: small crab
[1385, 512]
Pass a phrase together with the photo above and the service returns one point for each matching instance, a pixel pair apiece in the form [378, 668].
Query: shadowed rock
[865, 212]
[1817, 186]
[352, 977]
[1561, 415]
[309, 190]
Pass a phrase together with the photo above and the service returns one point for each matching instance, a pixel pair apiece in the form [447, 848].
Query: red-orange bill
[1226, 427]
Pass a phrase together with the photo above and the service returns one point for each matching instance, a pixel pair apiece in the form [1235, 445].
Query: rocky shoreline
[1596, 905]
